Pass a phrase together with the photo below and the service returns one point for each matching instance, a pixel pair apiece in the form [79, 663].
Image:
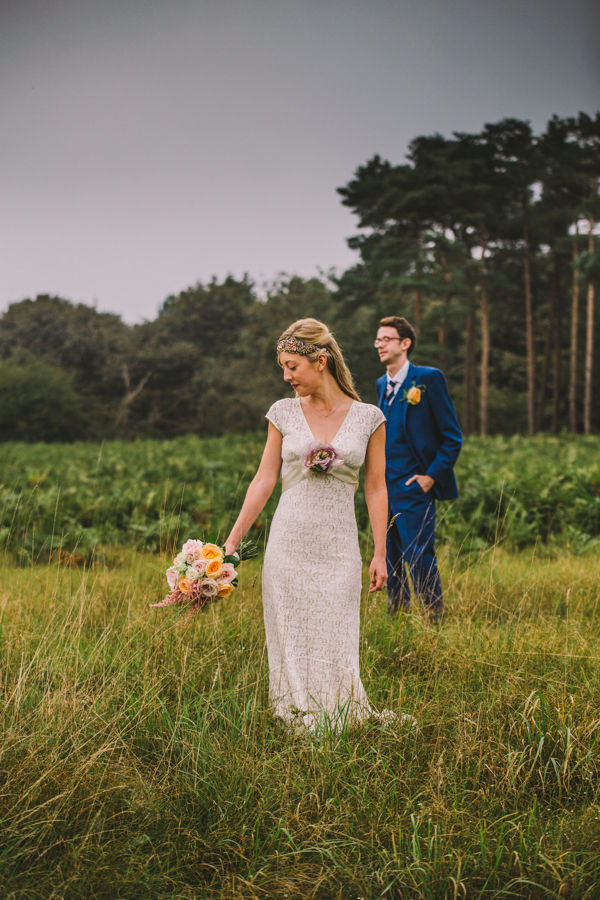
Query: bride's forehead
[287, 359]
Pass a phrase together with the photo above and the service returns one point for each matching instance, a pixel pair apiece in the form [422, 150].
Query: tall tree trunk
[548, 345]
[529, 335]
[485, 356]
[573, 352]
[418, 309]
[470, 383]
[557, 345]
[443, 329]
[589, 342]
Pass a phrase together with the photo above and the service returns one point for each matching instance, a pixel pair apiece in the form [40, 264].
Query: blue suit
[421, 439]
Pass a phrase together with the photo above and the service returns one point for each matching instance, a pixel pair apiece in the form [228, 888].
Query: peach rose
[213, 568]
[413, 395]
[226, 574]
[225, 590]
[211, 551]
[184, 585]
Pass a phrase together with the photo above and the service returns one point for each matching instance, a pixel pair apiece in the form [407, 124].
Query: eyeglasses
[384, 341]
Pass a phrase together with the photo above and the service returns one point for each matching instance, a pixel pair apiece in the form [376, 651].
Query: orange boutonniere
[413, 394]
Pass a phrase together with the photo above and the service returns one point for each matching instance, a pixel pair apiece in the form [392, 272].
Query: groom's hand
[425, 481]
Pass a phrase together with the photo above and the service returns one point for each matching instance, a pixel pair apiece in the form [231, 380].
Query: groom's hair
[404, 329]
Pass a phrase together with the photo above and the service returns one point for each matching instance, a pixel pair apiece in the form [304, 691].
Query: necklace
[325, 415]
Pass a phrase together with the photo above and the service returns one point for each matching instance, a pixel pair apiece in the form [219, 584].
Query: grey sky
[148, 144]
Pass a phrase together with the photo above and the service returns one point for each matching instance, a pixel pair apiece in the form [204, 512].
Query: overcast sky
[149, 144]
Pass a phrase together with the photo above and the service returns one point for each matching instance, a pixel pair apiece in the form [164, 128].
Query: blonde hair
[311, 331]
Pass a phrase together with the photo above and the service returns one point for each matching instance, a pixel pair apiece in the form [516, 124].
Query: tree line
[486, 242]
[489, 240]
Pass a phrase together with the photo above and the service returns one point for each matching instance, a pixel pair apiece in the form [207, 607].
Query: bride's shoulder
[371, 414]
[280, 412]
[369, 409]
[285, 405]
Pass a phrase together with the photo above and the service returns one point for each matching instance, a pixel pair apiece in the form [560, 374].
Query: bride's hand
[378, 574]
[230, 547]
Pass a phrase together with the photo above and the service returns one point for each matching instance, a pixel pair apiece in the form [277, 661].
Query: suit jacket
[431, 429]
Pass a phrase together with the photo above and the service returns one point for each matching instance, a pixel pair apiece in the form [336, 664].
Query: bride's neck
[329, 394]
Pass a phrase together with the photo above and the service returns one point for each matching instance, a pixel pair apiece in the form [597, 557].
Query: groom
[423, 440]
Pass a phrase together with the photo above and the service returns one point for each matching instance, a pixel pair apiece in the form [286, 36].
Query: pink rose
[321, 457]
[227, 574]
[172, 577]
[199, 565]
[192, 550]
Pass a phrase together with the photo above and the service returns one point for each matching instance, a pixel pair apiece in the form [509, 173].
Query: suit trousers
[411, 555]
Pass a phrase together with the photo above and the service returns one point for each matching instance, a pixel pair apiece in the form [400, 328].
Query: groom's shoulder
[428, 372]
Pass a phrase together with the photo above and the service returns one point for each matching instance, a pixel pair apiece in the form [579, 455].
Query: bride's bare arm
[377, 504]
[261, 488]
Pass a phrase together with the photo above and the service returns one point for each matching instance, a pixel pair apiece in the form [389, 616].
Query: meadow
[139, 758]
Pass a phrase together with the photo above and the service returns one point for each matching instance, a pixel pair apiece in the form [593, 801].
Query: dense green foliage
[482, 240]
[38, 402]
[206, 365]
[146, 494]
[139, 759]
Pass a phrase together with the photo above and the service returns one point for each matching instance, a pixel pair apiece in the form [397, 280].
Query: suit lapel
[381, 391]
[411, 376]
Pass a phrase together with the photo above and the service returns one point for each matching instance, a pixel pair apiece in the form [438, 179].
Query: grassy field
[139, 759]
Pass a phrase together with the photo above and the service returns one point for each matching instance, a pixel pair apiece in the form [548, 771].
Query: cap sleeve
[377, 417]
[274, 416]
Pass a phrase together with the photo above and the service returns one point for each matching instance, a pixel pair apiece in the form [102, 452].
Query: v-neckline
[310, 431]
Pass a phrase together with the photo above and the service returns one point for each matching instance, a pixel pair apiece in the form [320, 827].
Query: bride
[312, 568]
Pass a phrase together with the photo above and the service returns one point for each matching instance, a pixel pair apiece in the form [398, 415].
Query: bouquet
[202, 573]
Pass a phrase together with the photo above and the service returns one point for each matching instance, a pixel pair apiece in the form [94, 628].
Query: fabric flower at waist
[321, 458]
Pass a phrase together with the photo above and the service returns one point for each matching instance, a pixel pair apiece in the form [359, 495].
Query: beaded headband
[293, 345]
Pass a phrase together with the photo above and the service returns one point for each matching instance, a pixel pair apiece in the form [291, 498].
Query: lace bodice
[351, 440]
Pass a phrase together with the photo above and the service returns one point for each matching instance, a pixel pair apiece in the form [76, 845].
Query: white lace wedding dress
[312, 575]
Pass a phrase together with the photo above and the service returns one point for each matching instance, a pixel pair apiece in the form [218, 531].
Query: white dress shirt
[397, 380]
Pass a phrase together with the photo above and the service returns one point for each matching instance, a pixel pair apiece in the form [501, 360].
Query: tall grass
[139, 758]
